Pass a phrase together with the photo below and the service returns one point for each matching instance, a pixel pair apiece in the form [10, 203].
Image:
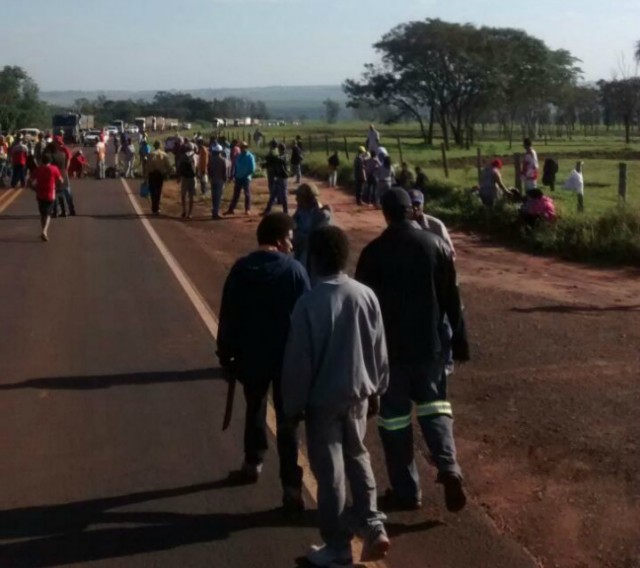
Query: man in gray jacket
[335, 366]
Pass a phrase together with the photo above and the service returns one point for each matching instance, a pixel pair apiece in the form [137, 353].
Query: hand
[374, 406]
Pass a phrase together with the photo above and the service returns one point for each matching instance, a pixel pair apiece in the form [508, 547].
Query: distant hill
[282, 102]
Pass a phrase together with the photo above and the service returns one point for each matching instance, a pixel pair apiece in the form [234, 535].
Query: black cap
[395, 200]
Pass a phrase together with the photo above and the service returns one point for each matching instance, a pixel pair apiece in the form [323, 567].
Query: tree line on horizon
[459, 76]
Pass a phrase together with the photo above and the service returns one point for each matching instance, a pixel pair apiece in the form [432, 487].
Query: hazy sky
[163, 44]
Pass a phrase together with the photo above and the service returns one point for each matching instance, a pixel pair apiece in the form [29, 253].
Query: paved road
[110, 412]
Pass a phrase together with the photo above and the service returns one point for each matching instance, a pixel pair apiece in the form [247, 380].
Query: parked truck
[69, 125]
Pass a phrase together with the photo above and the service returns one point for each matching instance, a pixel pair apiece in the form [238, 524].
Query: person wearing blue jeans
[244, 170]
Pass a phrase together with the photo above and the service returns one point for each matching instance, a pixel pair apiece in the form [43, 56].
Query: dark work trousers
[156, 180]
[426, 386]
[369, 190]
[279, 194]
[19, 176]
[241, 184]
[256, 394]
[360, 186]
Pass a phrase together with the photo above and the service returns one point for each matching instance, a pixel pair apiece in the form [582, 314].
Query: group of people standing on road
[337, 350]
[44, 165]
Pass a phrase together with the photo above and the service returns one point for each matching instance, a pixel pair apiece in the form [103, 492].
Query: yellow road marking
[210, 320]
[9, 200]
[5, 194]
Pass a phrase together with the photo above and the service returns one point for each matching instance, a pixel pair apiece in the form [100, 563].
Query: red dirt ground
[548, 425]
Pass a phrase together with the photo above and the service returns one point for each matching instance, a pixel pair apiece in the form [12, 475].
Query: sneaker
[44, 237]
[323, 556]
[215, 217]
[292, 501]
[454, 495]
[390, 501]
[250, 472]
[375, 546]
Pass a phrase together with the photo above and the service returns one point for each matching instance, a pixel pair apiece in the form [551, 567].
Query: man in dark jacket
[413, 274]
[280, 181]
[257, 302]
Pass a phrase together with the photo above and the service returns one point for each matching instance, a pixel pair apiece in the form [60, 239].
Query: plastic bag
[144, 190]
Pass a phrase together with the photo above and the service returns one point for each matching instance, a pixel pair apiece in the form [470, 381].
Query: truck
[69, 124]
[119, 124]
[141, 123]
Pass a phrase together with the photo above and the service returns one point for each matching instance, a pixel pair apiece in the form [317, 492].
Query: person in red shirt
[19, 153]
[77, 164]
[45, 178]
[65, 190]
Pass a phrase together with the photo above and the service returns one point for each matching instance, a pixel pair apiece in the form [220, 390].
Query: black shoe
[73, 213]
[391, 502]
[454, 495]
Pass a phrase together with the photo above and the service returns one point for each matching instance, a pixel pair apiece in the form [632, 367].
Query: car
[92, 136]
[132, 129]
[29, 134]
[112, 130]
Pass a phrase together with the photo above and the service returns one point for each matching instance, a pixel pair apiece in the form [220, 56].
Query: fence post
[326, 143]
[346, 147]
[517, 166]
[622, 182]
[445, 165]
[400, 149]
[479, 162]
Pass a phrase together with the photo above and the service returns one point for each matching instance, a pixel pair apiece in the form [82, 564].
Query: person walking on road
[218, 171]
[129, 151]
[406, 266]
[334, 163]
[360, 173]
[297, 157]
[203, 166]
[281, 174]
[257, 301]
[116, 151]
[186, 172]
[61, 158]
[309, 215]
[245, 167]
[19, 154]
[45, 178]
[335, 367]
[158, 168]
[101, 159]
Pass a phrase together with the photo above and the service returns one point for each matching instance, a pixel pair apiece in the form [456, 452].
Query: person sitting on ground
[537, 207]
[405, 178]
[77, 164]
[334, 164]
[335, 368]
[258, 299]
[491, 184]
[309, 215]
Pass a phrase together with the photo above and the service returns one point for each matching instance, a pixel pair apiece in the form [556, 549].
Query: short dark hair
[329, 250]
[527, 142]
[273, 228]
[46, 158]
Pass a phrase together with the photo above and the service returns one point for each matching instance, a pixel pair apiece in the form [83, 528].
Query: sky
[190, 44]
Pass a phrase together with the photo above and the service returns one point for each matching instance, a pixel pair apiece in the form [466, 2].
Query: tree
[637, 52]
[621, 98]
[20, 104]
[331, 110]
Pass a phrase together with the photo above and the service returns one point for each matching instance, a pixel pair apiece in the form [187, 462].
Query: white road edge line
[210, 320]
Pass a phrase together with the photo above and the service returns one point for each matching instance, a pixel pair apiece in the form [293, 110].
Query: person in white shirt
[530, 167]
[373, 140]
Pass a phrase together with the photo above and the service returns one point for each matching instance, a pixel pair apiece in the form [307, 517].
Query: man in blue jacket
[245, 167]
[257, 301]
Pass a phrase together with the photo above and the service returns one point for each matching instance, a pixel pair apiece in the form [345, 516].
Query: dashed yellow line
[5, 194]
[8, 198]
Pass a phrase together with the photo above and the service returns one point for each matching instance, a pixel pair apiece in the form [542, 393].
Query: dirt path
[547, 411]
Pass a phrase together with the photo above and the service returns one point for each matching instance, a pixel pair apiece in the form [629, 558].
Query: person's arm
[297, 368]
[227, 340]
[497, 179]
[449, 299]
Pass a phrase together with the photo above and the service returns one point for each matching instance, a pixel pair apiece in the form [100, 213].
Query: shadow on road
[70, 533]
[108, 381]
[569, 309]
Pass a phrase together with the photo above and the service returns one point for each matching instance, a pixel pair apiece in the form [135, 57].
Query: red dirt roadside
[547, 411]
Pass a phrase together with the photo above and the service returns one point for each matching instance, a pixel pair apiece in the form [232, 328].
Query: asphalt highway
[111, 402]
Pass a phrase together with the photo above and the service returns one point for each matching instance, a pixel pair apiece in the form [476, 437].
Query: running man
[46, 176]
